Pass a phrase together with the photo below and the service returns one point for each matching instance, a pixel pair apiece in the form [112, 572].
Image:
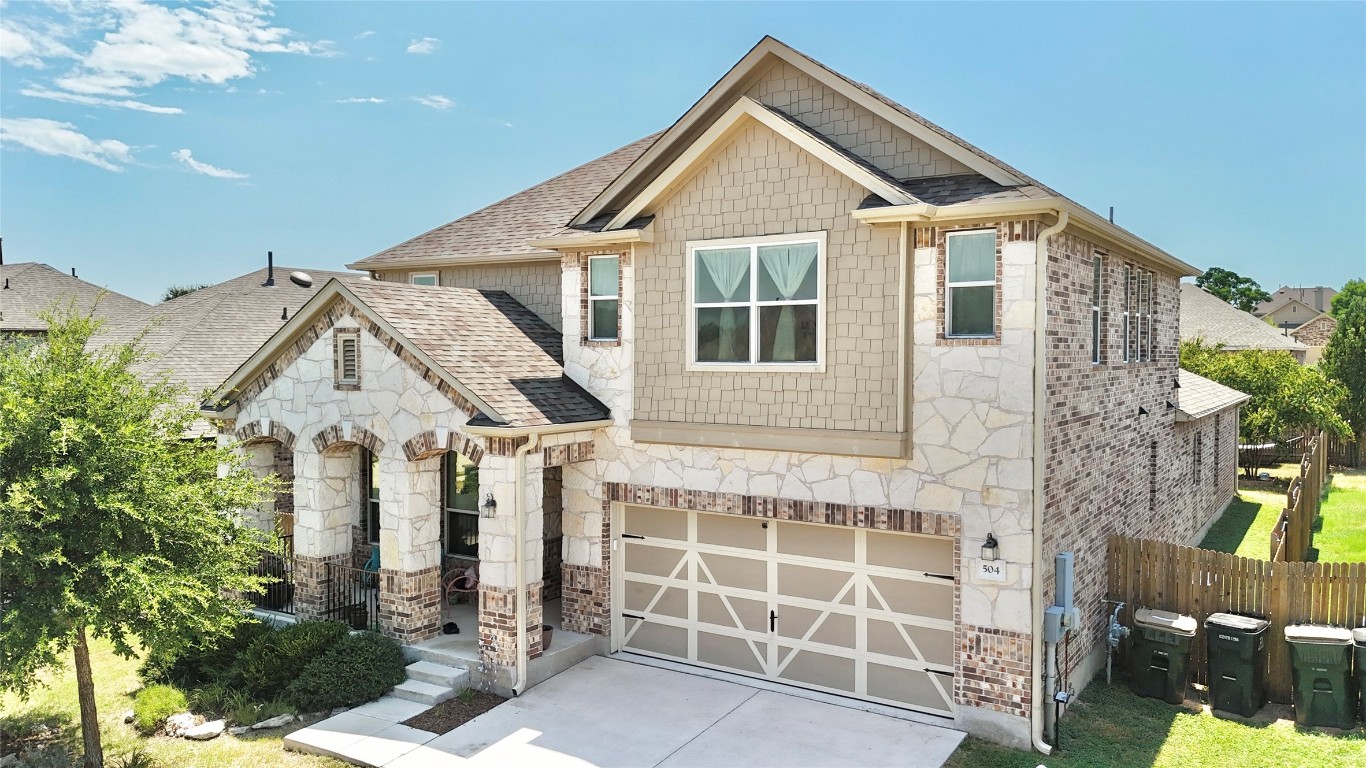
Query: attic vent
[301, 279]
[349, 364]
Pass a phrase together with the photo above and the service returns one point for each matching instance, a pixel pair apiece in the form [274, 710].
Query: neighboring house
[752, 395]
[1293, 307]
[30, 288]
[1213, 321]
[1314, 335]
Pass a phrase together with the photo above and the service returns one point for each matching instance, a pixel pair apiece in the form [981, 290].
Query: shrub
[138, 758]
[361, 667]
[274, 660]
[205, 660]
[155, 703]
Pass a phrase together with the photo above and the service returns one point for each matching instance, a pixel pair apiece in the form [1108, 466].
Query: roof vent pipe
[7, 283]
[1112, 214]
[2, 251]
[270, 267]
[284, 313]
[73, 271]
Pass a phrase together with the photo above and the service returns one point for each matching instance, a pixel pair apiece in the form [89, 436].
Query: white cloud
[425, 45]
[434, 101]
[361, 100]
[97, 101]
[184, 156]
[28, 47]
[366, 34]
[57, 139]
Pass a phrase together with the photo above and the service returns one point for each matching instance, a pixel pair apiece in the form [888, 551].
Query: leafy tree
[111, 524]
[176, 291]
[1242, 292]
[1344, 359]
[1285, 395]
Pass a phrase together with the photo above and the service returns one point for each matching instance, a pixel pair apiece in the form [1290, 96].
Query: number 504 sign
[991, 570]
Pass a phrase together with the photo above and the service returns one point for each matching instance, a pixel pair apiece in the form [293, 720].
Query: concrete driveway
[608, 713]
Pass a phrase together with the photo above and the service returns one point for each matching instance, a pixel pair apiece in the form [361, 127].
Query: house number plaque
[991, 570]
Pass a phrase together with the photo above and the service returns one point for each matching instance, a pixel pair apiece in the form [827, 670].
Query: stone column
[261, 462]
[497, 574]
[584, 601]
[409, 547]
[327, 494]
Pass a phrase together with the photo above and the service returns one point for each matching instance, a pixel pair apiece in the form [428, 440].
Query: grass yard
[51, 715]
[1109, 727]
[1340, 532]
[1245, 527]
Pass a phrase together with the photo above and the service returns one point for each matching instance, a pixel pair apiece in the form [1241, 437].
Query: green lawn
[1340, 531]
[1245, 527]
[1109, 727]
[51, 715]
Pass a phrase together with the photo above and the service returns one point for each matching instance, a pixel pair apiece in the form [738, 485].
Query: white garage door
[849, 611]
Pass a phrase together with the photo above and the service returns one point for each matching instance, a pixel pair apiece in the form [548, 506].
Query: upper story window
[1138, 314]
[423, 278]
[1096, 272]
[757, 302]
[970, 284]
[604, 298]
[346, 358]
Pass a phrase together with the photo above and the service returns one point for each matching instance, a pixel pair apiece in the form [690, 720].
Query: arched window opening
[460, 506]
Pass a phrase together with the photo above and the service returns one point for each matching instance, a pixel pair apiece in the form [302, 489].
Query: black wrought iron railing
[351, 596]
[277, 564]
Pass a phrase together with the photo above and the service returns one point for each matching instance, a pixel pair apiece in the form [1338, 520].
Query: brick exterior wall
[1316, 332]
[410, 604]
[498, 623]
[1107, 468]
[762, 184]
[310, 584]
[993, 670]
[536, 285]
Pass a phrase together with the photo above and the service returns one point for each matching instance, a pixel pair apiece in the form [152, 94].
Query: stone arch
[261, 430]
[434, 442]
[346, 434]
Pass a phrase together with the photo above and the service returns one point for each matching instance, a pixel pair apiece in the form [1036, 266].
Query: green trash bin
[1237, 662]
[1159, 654]
[1321, 662]
[1359, 641]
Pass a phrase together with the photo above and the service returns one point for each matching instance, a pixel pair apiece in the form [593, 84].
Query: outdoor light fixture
[489, 508]
[990, 548]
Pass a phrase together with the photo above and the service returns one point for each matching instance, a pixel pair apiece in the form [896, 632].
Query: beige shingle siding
[762, 184]
[882, 145]
[536, 285]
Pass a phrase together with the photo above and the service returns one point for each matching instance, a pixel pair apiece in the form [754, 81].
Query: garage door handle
[772, 620]
[631, 536]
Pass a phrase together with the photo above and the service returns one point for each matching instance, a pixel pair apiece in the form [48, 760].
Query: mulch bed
[453, 713]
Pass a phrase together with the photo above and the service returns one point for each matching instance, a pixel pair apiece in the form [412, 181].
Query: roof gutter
[596, 239]
[549, 429]
[1078, 217]
[1037, 704]
[366, 265]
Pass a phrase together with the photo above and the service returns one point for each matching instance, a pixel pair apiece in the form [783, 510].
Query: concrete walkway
[609, 713]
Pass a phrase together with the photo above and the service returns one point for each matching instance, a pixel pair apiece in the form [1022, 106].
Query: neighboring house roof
[1199, 397]
[200, 338]
[1319, 327]
[1318, 298]
[505, 227]
[1209, 318]
[498, 354]
[30, 287]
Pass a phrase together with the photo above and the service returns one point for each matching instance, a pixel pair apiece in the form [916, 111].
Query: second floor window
[970, 284]
[423, 278]
[1096, 271]
[604, 297]
[757, 303]
[1138, 314]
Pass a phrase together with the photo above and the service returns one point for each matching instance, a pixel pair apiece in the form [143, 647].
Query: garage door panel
[652, 598]
[732, 531]
[821, 669]
[917, 598]
[909, 552]
[654, 561]
[735, 572]
[661, 639]
[909, 686]
[655, 523]
[935, 646]
[826, 627]
[731, 652]
[712, 609]
[826, 543]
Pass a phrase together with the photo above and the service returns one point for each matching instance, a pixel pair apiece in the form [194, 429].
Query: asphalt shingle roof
[505, 227]
[1310, 296]
[503, 352]
[31, 287]
[1199, 397]
[1213, 320]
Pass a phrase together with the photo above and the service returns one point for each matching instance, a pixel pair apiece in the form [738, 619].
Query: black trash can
[1321, 661]
[1359, 641]
[1237, 662]
[1159, 654]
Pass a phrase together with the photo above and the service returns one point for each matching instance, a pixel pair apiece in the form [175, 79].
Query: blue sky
[148, 145]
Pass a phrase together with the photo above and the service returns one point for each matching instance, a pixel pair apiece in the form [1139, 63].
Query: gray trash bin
[1359, 642]
[1159, 654]
[1321, 660]
[1237, 662]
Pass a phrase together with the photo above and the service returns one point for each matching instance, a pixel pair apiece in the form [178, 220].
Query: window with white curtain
[970, 284]
[423, 278]
[604, 297]
[757, 303]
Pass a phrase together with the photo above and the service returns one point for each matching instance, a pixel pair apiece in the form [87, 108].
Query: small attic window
[346, 360]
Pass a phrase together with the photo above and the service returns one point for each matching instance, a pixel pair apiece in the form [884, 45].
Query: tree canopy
[1351, 299]
[1242, 292]
[111, 523]
[176, 291]
[1286, 396]
[1344, 359]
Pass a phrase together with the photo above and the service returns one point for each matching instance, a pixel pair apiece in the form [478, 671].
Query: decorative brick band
[498, 623]
[428, 444]
[583, 600]
[307, 337]
[263, 430]
[503, 446]
[993, 670]
[849, 515]
[346, 433]
[559, 455]
[410, 603]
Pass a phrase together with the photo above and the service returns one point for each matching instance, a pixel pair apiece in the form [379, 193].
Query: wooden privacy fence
[1293, 535]
[1200, 582]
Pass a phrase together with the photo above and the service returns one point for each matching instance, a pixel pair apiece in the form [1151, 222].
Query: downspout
[519, 557]
[903, 313]
[1038, 705]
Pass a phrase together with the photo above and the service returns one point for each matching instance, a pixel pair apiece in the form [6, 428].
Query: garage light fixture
[990, 548]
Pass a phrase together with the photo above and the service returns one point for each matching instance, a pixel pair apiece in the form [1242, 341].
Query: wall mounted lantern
[991, 549]
[490, 507]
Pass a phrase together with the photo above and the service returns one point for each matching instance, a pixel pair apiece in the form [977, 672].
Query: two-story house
[803, 388]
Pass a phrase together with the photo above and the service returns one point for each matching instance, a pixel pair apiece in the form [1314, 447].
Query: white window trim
[1097, 316]
[435, 276]
[692, 246]
[616, 332]
[948, 294]
[1128, 310]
